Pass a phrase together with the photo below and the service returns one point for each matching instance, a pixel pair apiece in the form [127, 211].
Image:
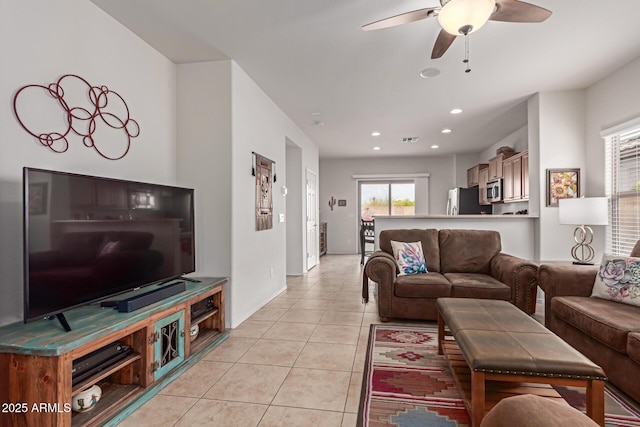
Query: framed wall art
[263, 171]
[562, 184]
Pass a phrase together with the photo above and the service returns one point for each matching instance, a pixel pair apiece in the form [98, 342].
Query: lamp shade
[584, 211]
[458, 14]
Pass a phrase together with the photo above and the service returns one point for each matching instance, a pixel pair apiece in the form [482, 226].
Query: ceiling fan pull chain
[466, 52]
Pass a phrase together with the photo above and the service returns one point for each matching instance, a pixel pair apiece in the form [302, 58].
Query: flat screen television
[87, 238]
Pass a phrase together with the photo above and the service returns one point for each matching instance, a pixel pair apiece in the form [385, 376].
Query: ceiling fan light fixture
[465, 16]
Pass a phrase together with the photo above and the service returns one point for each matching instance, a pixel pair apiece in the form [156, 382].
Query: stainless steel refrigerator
[465, 201]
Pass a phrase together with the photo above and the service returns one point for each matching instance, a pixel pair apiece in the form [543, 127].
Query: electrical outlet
[271, 273]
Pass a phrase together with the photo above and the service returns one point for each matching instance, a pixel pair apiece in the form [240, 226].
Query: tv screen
[87, 238]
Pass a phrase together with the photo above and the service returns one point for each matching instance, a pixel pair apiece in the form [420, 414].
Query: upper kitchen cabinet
[483, 178]
[495, 165]
[516, 178]
[473, 174]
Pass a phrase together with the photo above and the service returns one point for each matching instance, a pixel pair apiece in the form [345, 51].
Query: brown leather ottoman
[530, 410]
[499, 342]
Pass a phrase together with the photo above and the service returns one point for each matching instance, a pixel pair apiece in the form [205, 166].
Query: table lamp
[583, 212]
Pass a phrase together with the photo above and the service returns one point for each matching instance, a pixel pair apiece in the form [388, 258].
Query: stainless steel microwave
[494, 190]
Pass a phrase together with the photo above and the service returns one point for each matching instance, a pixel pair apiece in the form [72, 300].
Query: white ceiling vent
[410, 140]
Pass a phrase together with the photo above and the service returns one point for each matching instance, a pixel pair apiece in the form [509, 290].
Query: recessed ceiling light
[456, 111]
[376, 133]
[446, 130]
[376, 148]
[435, 146]
[429, 72]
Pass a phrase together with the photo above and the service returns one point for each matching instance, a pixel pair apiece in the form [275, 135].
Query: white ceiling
[311, 56]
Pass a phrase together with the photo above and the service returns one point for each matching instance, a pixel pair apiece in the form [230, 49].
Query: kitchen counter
[517, 231]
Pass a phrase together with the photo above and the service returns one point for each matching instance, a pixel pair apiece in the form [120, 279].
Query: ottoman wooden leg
[595, 401]
[477, 398]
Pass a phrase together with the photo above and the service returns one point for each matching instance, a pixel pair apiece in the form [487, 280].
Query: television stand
[63, 322]
[37, 359]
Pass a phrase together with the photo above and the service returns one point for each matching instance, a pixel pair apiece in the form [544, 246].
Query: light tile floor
[298, 361]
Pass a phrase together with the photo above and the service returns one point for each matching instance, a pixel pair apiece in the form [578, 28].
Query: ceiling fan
[462, 17]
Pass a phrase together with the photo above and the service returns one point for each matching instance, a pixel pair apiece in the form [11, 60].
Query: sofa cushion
[468, 251]
[409, 257]
[428, 239]
[618, 279]
[593, 316]
[473, 285]
[429, 285]
[633, 346]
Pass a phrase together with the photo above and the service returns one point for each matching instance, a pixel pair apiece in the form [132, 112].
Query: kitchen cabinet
[474, 173]
[525, 175]
[508, 184]
[496, 165]
[483, 178]
[516, 178]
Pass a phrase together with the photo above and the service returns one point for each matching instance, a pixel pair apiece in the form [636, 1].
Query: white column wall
[40, 41]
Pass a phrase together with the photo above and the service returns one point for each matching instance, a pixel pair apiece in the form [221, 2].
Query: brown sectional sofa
[607, 332]
[460, 263]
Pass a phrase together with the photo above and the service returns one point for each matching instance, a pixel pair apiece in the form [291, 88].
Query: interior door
[312, 221]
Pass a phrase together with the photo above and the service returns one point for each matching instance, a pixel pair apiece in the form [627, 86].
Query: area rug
[406, 384]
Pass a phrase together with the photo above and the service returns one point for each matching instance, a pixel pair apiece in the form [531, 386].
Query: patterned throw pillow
[618, 280]
[409, 257]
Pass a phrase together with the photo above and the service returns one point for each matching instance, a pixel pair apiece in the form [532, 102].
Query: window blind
[622, 183]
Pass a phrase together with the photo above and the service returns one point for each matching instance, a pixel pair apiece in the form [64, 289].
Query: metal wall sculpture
[264, 173]
[86, 109]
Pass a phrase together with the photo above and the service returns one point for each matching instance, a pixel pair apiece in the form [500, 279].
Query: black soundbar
[130, 304]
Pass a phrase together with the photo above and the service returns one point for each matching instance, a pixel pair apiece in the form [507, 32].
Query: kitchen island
[517, 231]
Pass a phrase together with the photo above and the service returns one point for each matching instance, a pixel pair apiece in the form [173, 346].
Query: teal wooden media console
[37, 359]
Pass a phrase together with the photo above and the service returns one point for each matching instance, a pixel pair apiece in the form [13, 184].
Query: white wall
[258, 125]
[611, 101]
[562, 124]
[41, 41]
[336, 180]
[204, 158]
[518, 140]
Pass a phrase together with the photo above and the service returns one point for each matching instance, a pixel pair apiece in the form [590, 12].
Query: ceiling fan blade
[403, 18]
[518, 11]
[443, 42]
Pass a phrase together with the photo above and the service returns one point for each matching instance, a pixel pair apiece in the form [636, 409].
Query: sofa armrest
[382, 269]
[564, 280]
[520, 275]
[567, 280]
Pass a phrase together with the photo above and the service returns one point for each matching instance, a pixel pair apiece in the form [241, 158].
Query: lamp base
[582, 252]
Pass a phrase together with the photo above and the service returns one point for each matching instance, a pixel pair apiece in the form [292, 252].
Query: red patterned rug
[407, 384]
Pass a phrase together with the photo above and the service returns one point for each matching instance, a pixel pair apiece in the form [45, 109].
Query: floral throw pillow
[409, 257]
[618, 280]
